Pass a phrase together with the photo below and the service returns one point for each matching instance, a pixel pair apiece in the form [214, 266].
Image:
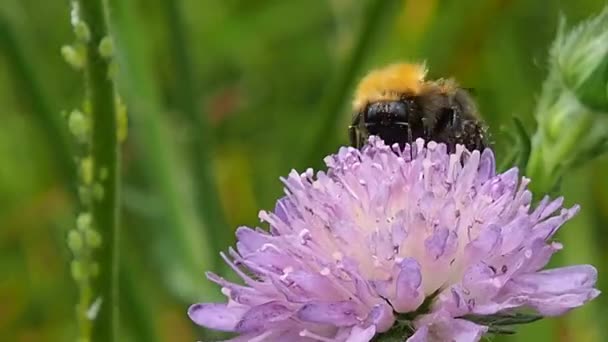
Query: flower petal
[409, 294]
[462, 331]
[484, 245]
[442, 327]
[216, 316]
[382, 317]
[249, 240]
[553, 292]
[339, 314]
[359, 334]
[421, 335]
[262, 317]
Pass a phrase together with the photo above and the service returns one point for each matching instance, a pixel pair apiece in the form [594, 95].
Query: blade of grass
[30, 88]
[200, 140]
[137, 299]
[378, 12]
[158, 159]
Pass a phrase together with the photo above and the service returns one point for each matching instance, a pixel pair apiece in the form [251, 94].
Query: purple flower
[415, 238]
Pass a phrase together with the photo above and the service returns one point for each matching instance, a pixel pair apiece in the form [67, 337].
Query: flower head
[416, 240]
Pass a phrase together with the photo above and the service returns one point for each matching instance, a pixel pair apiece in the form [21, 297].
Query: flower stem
[101, 103]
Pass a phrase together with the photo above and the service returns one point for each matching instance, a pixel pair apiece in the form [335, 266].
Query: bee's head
[387, 119]
[385, 113]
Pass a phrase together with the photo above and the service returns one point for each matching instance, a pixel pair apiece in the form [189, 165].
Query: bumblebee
[397, 104]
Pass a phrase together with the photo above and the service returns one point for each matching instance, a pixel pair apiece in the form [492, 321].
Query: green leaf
[502, 319]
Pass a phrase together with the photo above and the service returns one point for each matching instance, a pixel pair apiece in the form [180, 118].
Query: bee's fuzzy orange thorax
[389, 83]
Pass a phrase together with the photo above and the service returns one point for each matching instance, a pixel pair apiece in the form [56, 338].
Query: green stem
[568, 144]
[333, 103]
[104, 153]
[200, 139]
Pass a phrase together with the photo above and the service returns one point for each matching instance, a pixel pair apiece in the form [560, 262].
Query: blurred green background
[243, 91]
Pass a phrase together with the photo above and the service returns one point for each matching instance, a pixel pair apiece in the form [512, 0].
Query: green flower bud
[77, 270]
[82, 32]
[83, 221]
[79, 125]
[571, 111]
[106, 47]
[74, 56]
[92, 238]
[86, 170]
[75, 241]
[581, 59]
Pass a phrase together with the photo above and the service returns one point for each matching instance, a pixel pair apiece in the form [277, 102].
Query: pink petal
[339, 314]
[421, 335]
[359, 334]
[553, 292]
[487, 243]
[443, 327]
[462, 331]
[382, 317]
[262, 317]
[249, 240]
[559, 280]
[409, 294]
[436, 243]
[216, 316]
[480, 281]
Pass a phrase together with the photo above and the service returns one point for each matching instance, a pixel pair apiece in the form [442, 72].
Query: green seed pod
[74, 56]
[92, 238]
[83, 221]
[79, 125]
[75, 242]
[82, 32]
[77, 270]
[106, 47]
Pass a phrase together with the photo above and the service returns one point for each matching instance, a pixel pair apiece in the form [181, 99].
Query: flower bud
[581, 59]
[74, 56]
[573, 106]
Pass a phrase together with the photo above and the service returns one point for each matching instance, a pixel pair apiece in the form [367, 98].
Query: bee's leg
[474, 135]
[455, 126]
[455, 117]
[354, 136]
